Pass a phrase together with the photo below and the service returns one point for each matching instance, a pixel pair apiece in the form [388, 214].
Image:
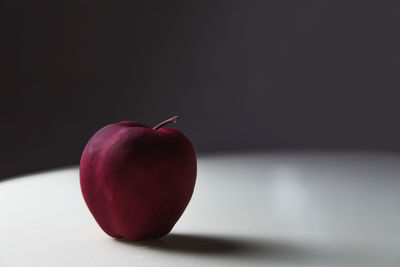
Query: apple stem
[174, 119]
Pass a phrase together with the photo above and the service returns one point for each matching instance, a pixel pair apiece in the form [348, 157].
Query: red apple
[137, 180]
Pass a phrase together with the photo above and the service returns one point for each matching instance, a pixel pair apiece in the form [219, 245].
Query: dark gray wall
[242, 74]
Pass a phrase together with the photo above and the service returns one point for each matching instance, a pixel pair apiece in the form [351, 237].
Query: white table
[271, 209]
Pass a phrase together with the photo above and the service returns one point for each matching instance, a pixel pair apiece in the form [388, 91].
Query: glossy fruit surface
[137, 180]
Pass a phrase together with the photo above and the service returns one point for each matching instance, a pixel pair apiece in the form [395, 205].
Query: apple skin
[137, 181]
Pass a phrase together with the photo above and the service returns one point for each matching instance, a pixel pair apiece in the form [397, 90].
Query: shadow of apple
[203, 244]
[239, 248]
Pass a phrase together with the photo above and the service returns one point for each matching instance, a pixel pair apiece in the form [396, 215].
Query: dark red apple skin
[137, 181]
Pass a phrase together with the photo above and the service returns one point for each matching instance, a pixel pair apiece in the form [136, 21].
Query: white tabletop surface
[260, 209]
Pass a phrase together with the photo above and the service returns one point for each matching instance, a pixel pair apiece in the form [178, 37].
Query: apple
[137, 180]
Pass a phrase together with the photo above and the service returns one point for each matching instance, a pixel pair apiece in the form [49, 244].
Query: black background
[243, 75]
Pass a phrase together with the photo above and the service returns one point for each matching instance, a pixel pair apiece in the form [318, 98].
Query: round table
[252, 209]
